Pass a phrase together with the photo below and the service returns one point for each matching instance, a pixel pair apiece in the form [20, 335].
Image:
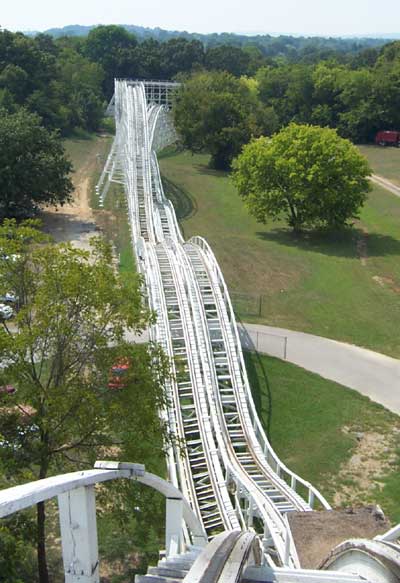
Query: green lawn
[384, 161]
[344, 286]
[313, 425]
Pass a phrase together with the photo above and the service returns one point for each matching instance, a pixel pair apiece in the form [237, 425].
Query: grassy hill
[344, 286]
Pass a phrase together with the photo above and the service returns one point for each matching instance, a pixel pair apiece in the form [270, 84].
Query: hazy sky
[323, 17]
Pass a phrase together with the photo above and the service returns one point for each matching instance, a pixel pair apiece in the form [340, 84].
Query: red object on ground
[118, 374]
[7, 390]
[388, 138]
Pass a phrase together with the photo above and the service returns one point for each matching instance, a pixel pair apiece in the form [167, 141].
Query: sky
[309, 17]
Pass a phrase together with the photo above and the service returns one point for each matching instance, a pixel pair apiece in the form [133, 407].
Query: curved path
[386, 184]
[375, 375]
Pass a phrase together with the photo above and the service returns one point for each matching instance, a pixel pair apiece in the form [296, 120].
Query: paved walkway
[385, 183]
[375, 375]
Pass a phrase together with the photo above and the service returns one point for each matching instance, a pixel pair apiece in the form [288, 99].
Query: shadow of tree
[204, 169]
[339, 243]
[185, 206]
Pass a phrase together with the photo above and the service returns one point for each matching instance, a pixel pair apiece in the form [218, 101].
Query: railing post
[311, 498]
[173, 526]
[77, 512]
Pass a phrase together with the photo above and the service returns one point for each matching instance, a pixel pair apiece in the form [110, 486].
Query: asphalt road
[372, 374]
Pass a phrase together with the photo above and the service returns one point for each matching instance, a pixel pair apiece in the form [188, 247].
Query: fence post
[285, 348]
[77, 513]
[173, 526]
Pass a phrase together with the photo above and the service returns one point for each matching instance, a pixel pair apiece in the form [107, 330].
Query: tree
[73, 309]
[34, 169]
[112, 47]
[217, 113]
[308, 174]
[227, 58]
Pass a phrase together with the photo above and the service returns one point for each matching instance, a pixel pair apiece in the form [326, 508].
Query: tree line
[218, 112]
[230, 94]
[67, 80]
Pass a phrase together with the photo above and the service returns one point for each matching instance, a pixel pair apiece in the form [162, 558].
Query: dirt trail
[74, 222]
[385, 183]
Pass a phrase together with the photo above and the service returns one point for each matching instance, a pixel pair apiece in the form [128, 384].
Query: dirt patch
[317, 533]
[387, 282]
[74, 222]
[371, 460]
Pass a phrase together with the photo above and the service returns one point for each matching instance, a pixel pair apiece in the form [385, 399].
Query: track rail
[229, 472]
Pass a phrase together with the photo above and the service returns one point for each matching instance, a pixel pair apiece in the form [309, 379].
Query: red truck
[388, 138]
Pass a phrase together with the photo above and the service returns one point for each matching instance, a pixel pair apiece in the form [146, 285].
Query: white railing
[77, 513]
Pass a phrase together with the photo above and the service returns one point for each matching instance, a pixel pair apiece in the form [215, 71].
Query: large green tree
[73, 311]
[217, 113]
[112, 47]
[34, 169]
[307, 174]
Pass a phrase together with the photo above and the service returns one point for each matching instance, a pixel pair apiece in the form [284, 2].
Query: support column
[173, 526]
[77, 512]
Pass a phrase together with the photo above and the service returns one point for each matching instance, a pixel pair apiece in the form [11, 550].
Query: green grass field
[313, 426]
[384, 161]
[344, 286]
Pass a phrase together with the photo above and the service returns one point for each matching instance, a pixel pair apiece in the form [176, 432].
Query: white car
[9, 298]
[6, 312]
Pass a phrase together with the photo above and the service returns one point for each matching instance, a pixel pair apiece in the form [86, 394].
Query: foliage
[51, 79]
[34, 168]
[218, 113]
[73, 310]
[306, 173]
[111, 47]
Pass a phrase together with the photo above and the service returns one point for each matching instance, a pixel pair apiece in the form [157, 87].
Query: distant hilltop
[243, 38]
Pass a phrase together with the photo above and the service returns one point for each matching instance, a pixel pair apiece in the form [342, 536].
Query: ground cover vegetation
[383, 161]
[324, 432]
[342, 284]
[73, 310]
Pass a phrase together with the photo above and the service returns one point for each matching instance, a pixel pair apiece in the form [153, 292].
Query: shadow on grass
[204, 169]
[260, 388]
[185, 206]
[340, 243]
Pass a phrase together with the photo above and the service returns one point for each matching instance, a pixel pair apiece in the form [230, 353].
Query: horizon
[360, 18]
[249, 33]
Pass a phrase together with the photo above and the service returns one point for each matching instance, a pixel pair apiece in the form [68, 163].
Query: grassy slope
[315, 283]
[384, 161]
[312, 424]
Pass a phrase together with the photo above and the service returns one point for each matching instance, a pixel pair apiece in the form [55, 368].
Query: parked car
[6, 312]
[118, 373]
[388, 138]
[9, 298]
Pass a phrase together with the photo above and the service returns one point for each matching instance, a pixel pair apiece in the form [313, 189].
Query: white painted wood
[77, 513]
[173, 526]
[20, 497]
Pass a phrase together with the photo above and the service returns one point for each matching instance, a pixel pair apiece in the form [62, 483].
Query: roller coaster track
[223, 463]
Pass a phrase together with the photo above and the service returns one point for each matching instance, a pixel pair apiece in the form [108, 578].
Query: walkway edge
[372, 374]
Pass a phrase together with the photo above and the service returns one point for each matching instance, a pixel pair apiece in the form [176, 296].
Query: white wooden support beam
[173, 526]
[77, 513]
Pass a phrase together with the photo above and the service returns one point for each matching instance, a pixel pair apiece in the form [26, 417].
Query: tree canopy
[218, 113]
[34, 169]
[307, 174]
[73, 310]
